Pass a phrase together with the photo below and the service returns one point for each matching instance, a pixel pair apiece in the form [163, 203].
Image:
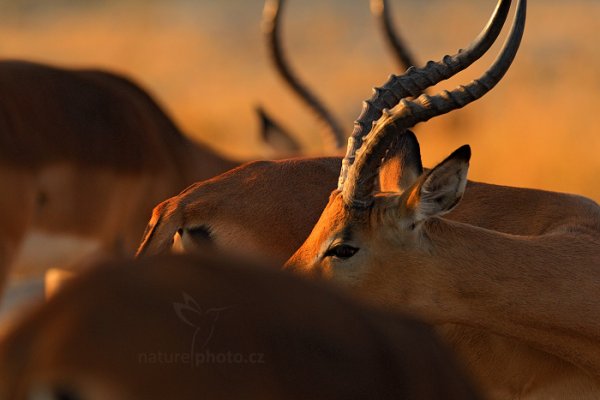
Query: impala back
[183, 327]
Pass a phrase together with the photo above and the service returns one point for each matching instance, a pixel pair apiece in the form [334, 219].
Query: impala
[84, 156]
[494, 296]
[190, 327]
[525, 236]
[267, 208]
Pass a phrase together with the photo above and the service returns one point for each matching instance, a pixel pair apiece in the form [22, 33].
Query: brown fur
[249, 203]
[92, 339]
[277, 203]
[517, 303]
[87, 153]
[268, 192]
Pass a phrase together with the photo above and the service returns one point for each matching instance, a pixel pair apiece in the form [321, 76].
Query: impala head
[228, 213]
[354, 245]
[370, 236]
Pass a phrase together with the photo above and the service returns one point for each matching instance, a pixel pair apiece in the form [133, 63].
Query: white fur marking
[41, 251]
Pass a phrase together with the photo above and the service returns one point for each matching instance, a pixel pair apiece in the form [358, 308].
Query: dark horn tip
[259, 109]
[462, 153]
[410, 135]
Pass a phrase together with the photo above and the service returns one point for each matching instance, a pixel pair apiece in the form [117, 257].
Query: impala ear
[274, 135]
[160, 232]
[441, 189]
[402, 164]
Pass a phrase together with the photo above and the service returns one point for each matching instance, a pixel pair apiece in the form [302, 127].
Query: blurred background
[207, 63]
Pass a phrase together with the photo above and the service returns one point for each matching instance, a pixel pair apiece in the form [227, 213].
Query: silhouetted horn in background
[271, 25]
[381, 10]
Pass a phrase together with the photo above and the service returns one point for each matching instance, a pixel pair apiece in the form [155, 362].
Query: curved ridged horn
[414, 81]
[271, 26]
[381, 10]
[357, 192]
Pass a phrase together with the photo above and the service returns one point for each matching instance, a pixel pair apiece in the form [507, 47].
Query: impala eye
[341, 251]
[199, 234]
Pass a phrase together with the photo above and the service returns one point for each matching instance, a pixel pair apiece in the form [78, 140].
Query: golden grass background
[207, 64]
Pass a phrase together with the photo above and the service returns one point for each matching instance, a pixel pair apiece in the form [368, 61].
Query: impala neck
[532, 288]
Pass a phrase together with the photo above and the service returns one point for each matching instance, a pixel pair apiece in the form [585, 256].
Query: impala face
[358, 247]
[333, 249]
